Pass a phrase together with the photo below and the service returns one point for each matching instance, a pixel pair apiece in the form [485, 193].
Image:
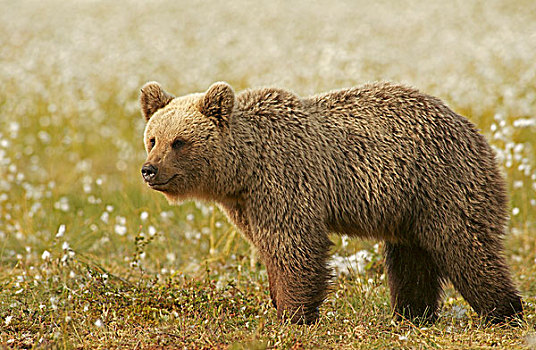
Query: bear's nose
[148, 171]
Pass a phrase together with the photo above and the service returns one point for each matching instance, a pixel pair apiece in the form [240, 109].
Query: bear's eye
[177, 144]
[152, 142]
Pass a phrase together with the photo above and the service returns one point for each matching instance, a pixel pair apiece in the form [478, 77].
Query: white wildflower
[104, 217]
[171, 257]
[61, 231]
[62, 204]
[120, 230]
[121, 220]
[54, 303]
[524, 122]
[344, 241]
[353, 263]
[45, 255]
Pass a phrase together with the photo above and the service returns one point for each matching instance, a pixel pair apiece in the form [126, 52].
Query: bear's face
[183, 139]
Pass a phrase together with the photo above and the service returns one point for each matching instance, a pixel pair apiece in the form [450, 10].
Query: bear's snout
[149, 171]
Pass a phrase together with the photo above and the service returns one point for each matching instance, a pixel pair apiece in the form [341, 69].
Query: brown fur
[381, 160]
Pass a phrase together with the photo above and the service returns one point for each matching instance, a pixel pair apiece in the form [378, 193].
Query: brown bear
[380, 160]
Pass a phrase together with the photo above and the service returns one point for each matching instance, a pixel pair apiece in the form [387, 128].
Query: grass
[97, 309]
[90, 258]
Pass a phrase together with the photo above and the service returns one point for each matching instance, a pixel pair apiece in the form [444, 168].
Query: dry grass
[92, 259]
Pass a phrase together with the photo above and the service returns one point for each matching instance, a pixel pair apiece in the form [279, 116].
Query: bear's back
[376, 155]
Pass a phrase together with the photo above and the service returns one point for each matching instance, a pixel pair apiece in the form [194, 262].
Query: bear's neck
[231, 176]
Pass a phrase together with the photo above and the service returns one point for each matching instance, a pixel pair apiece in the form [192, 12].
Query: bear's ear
[217, 103]
[152, 98]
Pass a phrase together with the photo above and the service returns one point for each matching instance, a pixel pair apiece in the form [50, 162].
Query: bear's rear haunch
[381, 160]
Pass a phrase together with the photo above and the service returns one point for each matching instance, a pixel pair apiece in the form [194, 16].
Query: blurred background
[71, 131]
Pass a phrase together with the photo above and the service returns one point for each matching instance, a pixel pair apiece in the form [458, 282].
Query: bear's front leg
[298, 274]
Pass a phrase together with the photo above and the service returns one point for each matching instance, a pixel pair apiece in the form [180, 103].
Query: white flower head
[120, 230]
[61, 231]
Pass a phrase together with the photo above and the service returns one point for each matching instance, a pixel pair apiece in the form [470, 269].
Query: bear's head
[183, 139]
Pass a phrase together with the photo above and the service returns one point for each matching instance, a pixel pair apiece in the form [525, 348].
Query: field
[91, 258]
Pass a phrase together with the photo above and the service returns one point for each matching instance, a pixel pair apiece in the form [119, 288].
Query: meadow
[91, 258]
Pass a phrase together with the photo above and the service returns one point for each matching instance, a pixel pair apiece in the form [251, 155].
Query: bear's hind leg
[415, 282]
[480, 274]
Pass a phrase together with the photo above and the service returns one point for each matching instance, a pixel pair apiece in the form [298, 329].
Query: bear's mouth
[159, 186]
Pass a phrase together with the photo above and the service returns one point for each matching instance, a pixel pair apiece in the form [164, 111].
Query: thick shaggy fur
[381, 160]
